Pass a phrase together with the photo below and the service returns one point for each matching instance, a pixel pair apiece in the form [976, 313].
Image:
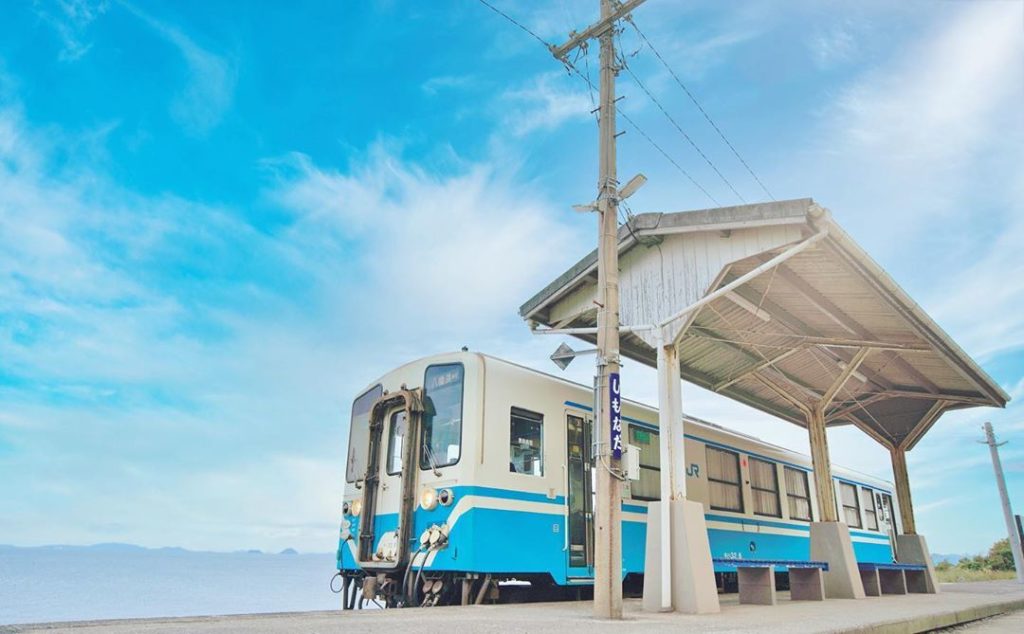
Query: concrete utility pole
[1011, 525]
[608, 507]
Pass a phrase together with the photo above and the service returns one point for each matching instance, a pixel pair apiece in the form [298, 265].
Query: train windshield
[359, 434]
[442, 416]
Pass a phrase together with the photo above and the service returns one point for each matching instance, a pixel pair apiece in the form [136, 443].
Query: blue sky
[218, 223]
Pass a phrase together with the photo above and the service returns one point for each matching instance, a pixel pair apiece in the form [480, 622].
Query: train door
[887, 519]
[388, 489]
[579, 498]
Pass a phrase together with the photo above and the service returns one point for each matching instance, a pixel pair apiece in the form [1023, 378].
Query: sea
[115, 581]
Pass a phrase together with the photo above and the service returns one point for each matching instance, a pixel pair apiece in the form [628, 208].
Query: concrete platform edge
[931, 622]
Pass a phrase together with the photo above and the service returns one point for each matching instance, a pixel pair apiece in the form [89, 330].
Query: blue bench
[893, 578]
[756, 578]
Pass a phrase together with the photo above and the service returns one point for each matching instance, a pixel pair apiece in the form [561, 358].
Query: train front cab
[406, 460]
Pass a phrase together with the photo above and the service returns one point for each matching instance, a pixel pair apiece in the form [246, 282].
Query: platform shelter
[776, 306]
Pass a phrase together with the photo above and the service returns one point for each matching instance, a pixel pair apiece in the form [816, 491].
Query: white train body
[507, 451]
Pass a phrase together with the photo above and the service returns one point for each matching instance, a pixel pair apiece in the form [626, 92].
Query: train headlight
[445, 497]
[428, 499]
[356, 507]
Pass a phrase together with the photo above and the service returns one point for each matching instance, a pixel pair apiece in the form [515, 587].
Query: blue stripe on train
[523, 542]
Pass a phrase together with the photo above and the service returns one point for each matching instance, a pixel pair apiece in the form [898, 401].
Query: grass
[957, 574]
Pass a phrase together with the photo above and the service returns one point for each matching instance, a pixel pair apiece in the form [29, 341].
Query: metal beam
[797, 325]
[751, 370]
[595, 30]
[783, 393]
[881, 439]
[923, 425]
[843, 408]
[794, 250]
[945, 348]
[718, 338]
[843, 377]
[834, 313]
[828, 342]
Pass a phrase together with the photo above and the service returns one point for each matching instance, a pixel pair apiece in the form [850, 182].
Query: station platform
[956, 604]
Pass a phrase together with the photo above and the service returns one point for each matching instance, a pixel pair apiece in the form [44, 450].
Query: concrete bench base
[872, 587]
[756, 580]
[806, 584]
[917, 581]
[757, 585]
[913, 549]
[892, 581]
[885, 579]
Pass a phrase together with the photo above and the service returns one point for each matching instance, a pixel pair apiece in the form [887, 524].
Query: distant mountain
[116, 547]
[952, 559]
[110, 547]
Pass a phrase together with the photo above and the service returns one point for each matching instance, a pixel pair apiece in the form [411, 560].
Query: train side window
[798, 494]
[851, 506]
[887, 511]
[724, 479]
[867, 499]
[526, 442]
[359, 434]
[648, 487]
[764, 484]
[396, 437]
[442, 416]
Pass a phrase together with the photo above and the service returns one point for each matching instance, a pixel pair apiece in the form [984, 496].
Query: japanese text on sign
[615, 411]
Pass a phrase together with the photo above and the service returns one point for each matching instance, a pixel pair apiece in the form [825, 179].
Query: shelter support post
[899, 474]
[911, 548]
[679, 574]
[830, 538]
[822, 466]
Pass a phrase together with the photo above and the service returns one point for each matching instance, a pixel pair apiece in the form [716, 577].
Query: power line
[573, 70]
[669, 158]
[672, 120]
[513, 21]
[590, 86]
[697, 103]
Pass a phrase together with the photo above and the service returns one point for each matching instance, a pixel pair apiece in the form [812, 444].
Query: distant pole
[1011, 525]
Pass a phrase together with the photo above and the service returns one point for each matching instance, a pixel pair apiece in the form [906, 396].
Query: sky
[220, 222]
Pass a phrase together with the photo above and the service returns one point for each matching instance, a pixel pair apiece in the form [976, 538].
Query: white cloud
[113, 297]
[927, 128]
[457, 252]
[833, 45]
[70, 19]
[985, 309]
[434, 85]
[209, 89]
[548, 101]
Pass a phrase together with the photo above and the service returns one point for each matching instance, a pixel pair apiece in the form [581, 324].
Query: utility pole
[608, 507]
[1011, 525]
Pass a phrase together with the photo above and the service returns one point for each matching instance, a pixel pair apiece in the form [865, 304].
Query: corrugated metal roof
[779, 341]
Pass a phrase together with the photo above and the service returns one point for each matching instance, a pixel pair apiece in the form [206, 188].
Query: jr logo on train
[470, 479]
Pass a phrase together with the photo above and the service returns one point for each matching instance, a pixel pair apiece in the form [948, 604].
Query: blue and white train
[464, 471]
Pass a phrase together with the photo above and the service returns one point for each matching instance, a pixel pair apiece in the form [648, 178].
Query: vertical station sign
[615, 414]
